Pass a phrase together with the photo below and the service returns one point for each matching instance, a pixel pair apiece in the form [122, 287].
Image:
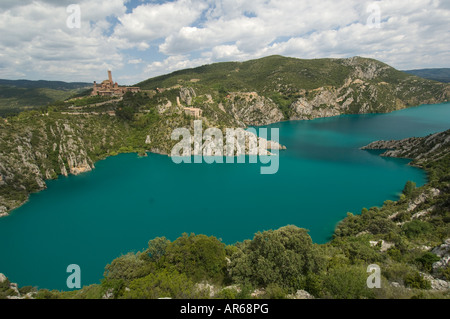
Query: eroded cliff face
[249, 108]
[274, 89]
[37, 147]
[46, 147]
[365, 90]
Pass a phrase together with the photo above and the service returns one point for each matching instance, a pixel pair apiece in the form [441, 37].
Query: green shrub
[417, 281]
[47, 294]
[409, 188]
[445, 273]
[427, 260]
[198, 256]
[163, 284]
[278, 257]
[128, 267]
[273, 291]
[157, 248]
[347, 282]
[416, 228]
[227, 293]
[381, 226]
[395, 254]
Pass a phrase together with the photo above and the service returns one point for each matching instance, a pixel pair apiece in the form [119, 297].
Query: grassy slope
[286, 81]
[258, 74]
[20, 95]
[275, 74]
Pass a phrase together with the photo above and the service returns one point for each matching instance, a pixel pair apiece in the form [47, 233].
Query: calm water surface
[93, 218]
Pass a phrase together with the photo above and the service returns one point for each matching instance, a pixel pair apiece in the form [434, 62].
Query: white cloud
[173, 63]
[36, 42]
[230, 21]
[153, 21]
[135, 61]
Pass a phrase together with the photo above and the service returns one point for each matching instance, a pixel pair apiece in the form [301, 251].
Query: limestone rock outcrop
[418, 148]
[442, 251]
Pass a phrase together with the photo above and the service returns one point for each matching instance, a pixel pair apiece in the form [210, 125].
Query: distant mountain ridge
[438, 74]
[55, 85]
[20, 95]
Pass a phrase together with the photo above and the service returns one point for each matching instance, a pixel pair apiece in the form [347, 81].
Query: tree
[280, 257]
[409, 188]
[381, 226]
[162, 284]
[427, 260]
[273, 291]
[198, 256]
[347, 282]
[416, 228]
[417, 281]
[157, 248]
[128, 267]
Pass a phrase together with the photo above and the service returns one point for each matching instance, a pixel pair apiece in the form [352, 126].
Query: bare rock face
[419, 148]
[13, 287]
[436, 284]
[163, 108]
[251, 145]
[367, 71]
[187, 95]
[207, 289]
[39, 152]
[109, 294]
[323, 105]
[251, 109]
[384, 246]
[442, 251]
[302, 294]
[422, 198]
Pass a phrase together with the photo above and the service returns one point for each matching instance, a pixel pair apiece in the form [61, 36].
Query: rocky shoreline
[420, 149]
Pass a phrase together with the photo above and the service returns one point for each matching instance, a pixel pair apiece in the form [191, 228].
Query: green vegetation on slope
[20, 95]
[259, 75]
[304, 89]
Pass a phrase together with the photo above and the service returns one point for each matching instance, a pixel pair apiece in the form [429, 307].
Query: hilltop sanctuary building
[109, 88]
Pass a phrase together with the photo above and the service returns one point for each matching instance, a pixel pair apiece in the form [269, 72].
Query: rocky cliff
[273, 89]
[37, 147]
[9, 290]
[421, 149]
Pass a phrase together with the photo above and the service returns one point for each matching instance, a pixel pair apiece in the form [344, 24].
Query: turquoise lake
[95, 217]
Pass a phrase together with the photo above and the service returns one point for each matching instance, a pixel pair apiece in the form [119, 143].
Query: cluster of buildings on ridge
[110, 88]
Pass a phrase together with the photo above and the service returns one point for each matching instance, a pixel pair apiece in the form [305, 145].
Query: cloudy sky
[138, 39]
